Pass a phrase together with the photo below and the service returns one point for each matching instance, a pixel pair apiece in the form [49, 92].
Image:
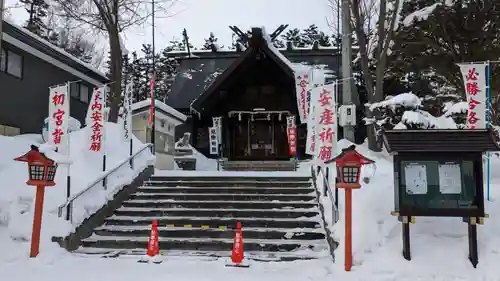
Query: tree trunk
[116, 75]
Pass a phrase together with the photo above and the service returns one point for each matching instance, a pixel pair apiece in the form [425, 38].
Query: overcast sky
[200, 17]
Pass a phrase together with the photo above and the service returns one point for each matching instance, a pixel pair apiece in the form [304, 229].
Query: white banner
[214, 143]
[95, 120]
[302, 80]
[217, 123]
[126, 121]
[311, 123]
[318, 77]
[326, 123]
[59, 117]
[474, 76]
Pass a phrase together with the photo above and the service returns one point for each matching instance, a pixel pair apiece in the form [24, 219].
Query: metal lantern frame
[41, 169]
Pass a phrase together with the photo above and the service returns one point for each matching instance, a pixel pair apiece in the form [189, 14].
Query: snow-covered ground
[439, 245]
[17, 199]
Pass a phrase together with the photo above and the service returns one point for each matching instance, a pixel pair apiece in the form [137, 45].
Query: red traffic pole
[348, 229]
[37, 221]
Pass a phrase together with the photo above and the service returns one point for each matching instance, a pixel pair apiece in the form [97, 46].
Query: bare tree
[374, 22]
[112, 17]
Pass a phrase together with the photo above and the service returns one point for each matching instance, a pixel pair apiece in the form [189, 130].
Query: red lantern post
[42, 172]
[349, 164]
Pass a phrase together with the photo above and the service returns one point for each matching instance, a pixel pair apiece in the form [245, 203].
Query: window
[3, 60]
[80, 91]
[84, 93]
[11, 63]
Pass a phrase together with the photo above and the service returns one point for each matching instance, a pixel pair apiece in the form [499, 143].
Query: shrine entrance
[258, 136]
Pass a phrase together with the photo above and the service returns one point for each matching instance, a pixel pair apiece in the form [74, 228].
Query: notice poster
[416, 179]
[450, 179]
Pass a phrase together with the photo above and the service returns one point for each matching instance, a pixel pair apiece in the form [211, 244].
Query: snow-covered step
[231, 190]
[223, 196]
[196, 216]
[199, 232]
[237, 204]
[253, 255]
[237, 183]
[206, 244]
[216, 222]
[214, 212]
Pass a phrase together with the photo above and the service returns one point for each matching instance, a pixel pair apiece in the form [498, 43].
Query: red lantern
[349, 164]
[42, 171]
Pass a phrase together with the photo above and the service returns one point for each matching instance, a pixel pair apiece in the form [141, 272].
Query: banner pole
[488, 125]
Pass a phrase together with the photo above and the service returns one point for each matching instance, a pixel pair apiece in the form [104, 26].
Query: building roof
[198, 71]
[449, 140]
[144, 105]
[258, 42]
[31, 43]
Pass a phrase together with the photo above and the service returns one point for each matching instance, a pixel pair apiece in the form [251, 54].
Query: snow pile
[405, 111]
[17, 199]
[420, 15]
[407, 100]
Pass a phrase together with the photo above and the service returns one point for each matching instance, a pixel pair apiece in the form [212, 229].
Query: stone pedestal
[183, 154]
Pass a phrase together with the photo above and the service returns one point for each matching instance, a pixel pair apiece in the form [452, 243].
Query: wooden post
[37, 221]
[406, 238]
[472, 233]
[348, 229]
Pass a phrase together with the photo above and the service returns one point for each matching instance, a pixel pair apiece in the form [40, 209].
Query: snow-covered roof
[141, 105]
[12, 34]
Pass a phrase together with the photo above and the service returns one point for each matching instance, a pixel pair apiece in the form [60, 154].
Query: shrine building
[253, 90]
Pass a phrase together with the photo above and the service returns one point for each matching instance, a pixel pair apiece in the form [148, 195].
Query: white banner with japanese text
[311, 123]
[59, 117]
[95, 120]
[217, 124]
[302, 80]
[126, 121]
[474, 76]
[291, 129]
[326, 123]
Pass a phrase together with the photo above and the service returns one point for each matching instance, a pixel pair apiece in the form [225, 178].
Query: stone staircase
[196, 216]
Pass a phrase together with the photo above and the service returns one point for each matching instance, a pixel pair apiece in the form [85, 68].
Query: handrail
[327, 191]
[101, 178]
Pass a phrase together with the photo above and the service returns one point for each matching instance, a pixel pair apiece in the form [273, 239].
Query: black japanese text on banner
[126, 120]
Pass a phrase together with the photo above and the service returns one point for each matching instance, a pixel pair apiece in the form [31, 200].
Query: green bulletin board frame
[434, 199]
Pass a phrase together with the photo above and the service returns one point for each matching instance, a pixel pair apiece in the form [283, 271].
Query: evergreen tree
[211, 43]
[312, 34]
[37, 11]
[277, 43]
[295, 36]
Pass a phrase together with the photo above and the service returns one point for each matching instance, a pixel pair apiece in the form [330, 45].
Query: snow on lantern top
[42, 170]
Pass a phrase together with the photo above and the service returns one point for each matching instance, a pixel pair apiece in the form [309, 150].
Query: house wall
[25, 100]
[164, 136]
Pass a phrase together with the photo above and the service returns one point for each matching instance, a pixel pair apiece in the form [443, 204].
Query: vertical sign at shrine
[302, 79]
[127, 113]
[326, 123]
[474, 76]
[59, 116]
[95, 120]
[291, 130]
[217, 123]
[213, 140]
